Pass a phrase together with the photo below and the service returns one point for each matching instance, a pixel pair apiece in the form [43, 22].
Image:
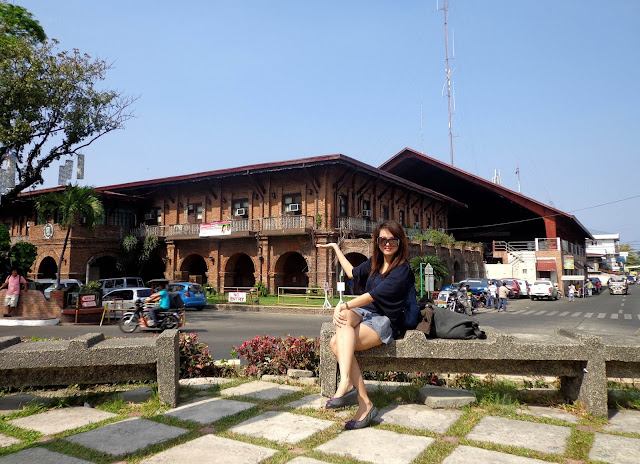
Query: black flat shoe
[366, 422]
[348, 399]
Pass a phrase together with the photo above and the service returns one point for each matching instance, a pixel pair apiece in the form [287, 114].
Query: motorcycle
[140, 317]
[458, 302]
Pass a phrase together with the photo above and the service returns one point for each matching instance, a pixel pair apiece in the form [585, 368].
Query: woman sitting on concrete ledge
[375, 317]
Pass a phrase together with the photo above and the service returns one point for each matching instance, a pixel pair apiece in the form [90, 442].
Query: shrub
[262, 289]
[274, 355]
[194, 356]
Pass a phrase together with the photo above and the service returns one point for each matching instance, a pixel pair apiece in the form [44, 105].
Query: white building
[603, 252]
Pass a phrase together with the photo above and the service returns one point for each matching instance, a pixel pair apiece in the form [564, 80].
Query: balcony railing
[287, 222]
[237, 225]
[356, 224]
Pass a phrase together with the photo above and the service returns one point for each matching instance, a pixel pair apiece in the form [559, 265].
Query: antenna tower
[448, 71]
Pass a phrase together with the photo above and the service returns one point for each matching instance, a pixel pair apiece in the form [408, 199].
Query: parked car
[618, 285]
[192, 295]
[513, 286]
[477, 286]
[543, 289]
[631, 279]
[120, 282]
[127, 295]
[523, 286]
[73, 284]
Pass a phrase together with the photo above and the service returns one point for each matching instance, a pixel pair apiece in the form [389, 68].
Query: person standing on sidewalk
[572, 292]
[503, 294]
[492, 294]
[371, 319]
[13, 283]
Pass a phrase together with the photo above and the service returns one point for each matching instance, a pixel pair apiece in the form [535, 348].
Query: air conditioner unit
[366, 213]
[294, 207]
[241, 212]
[149, 216]
[442, 230]
[28, 223]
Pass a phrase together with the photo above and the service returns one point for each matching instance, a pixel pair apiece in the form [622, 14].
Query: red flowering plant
[274, 355]
[194, 356]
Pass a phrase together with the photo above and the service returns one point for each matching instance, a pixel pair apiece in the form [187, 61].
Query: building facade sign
[215, 228]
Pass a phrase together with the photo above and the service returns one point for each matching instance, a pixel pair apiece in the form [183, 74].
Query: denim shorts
[377, 322]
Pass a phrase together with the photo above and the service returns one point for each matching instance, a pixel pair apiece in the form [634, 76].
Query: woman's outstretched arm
[344, 262]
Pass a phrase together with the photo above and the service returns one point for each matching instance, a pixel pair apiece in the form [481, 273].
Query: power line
[543, 217]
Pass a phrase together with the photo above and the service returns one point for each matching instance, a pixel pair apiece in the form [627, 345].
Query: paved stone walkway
[267, 422]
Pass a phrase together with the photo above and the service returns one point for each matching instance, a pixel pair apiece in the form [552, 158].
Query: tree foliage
[69, 207]
[22, 255]
[51, 104]
[17, 23]
[135, 253]
[440, 271]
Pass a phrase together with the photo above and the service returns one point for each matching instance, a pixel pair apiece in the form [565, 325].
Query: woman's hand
[339, 319]
[326, 245]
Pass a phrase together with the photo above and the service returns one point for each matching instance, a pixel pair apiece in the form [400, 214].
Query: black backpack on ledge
[441, 323]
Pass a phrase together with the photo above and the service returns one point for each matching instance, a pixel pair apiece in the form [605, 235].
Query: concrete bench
[92, 359]
[582, 362]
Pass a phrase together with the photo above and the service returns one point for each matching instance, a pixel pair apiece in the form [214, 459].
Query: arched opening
[291, 270]
[240, 271]
[457, 272]
[153, 269]
[48, 268]
[195, 265]
[356, 259]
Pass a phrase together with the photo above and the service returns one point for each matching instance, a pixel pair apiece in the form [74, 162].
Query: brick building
[236, 227]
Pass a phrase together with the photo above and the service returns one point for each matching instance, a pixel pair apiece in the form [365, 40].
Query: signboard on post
[237, 297]
[429, 280]
[88, 301]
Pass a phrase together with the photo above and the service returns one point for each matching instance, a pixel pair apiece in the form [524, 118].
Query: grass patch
[579, 444]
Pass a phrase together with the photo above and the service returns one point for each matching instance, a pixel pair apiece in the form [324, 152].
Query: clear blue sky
[549, 86]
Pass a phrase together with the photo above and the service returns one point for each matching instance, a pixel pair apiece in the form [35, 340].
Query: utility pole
[448, 71]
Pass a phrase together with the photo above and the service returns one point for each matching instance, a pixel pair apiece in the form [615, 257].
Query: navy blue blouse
[389, 292]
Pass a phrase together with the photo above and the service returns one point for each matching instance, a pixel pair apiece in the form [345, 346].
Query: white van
[120, 282]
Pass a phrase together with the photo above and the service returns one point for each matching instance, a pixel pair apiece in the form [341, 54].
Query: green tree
[16, 23]
[22, 256]
[440, 271]
[69, 207]
[135, 253]
[50, 103]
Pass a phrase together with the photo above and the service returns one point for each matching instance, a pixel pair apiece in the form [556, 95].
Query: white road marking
[530, 312]
[564, 313]
[588, 315]
[627, 316]
[576, 314]
[614, 316]
[552, 313]
[601, 315]
[539, 313]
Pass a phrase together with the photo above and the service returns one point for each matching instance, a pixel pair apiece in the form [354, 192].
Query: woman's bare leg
[366, 338]
[345, 344]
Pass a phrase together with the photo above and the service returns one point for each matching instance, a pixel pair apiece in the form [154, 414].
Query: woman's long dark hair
[377, 259]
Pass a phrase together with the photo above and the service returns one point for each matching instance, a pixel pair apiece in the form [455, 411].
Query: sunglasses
[392, 242]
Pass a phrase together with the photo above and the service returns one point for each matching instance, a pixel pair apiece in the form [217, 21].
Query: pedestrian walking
[589, 287]
[572, 292]
[503, 294]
